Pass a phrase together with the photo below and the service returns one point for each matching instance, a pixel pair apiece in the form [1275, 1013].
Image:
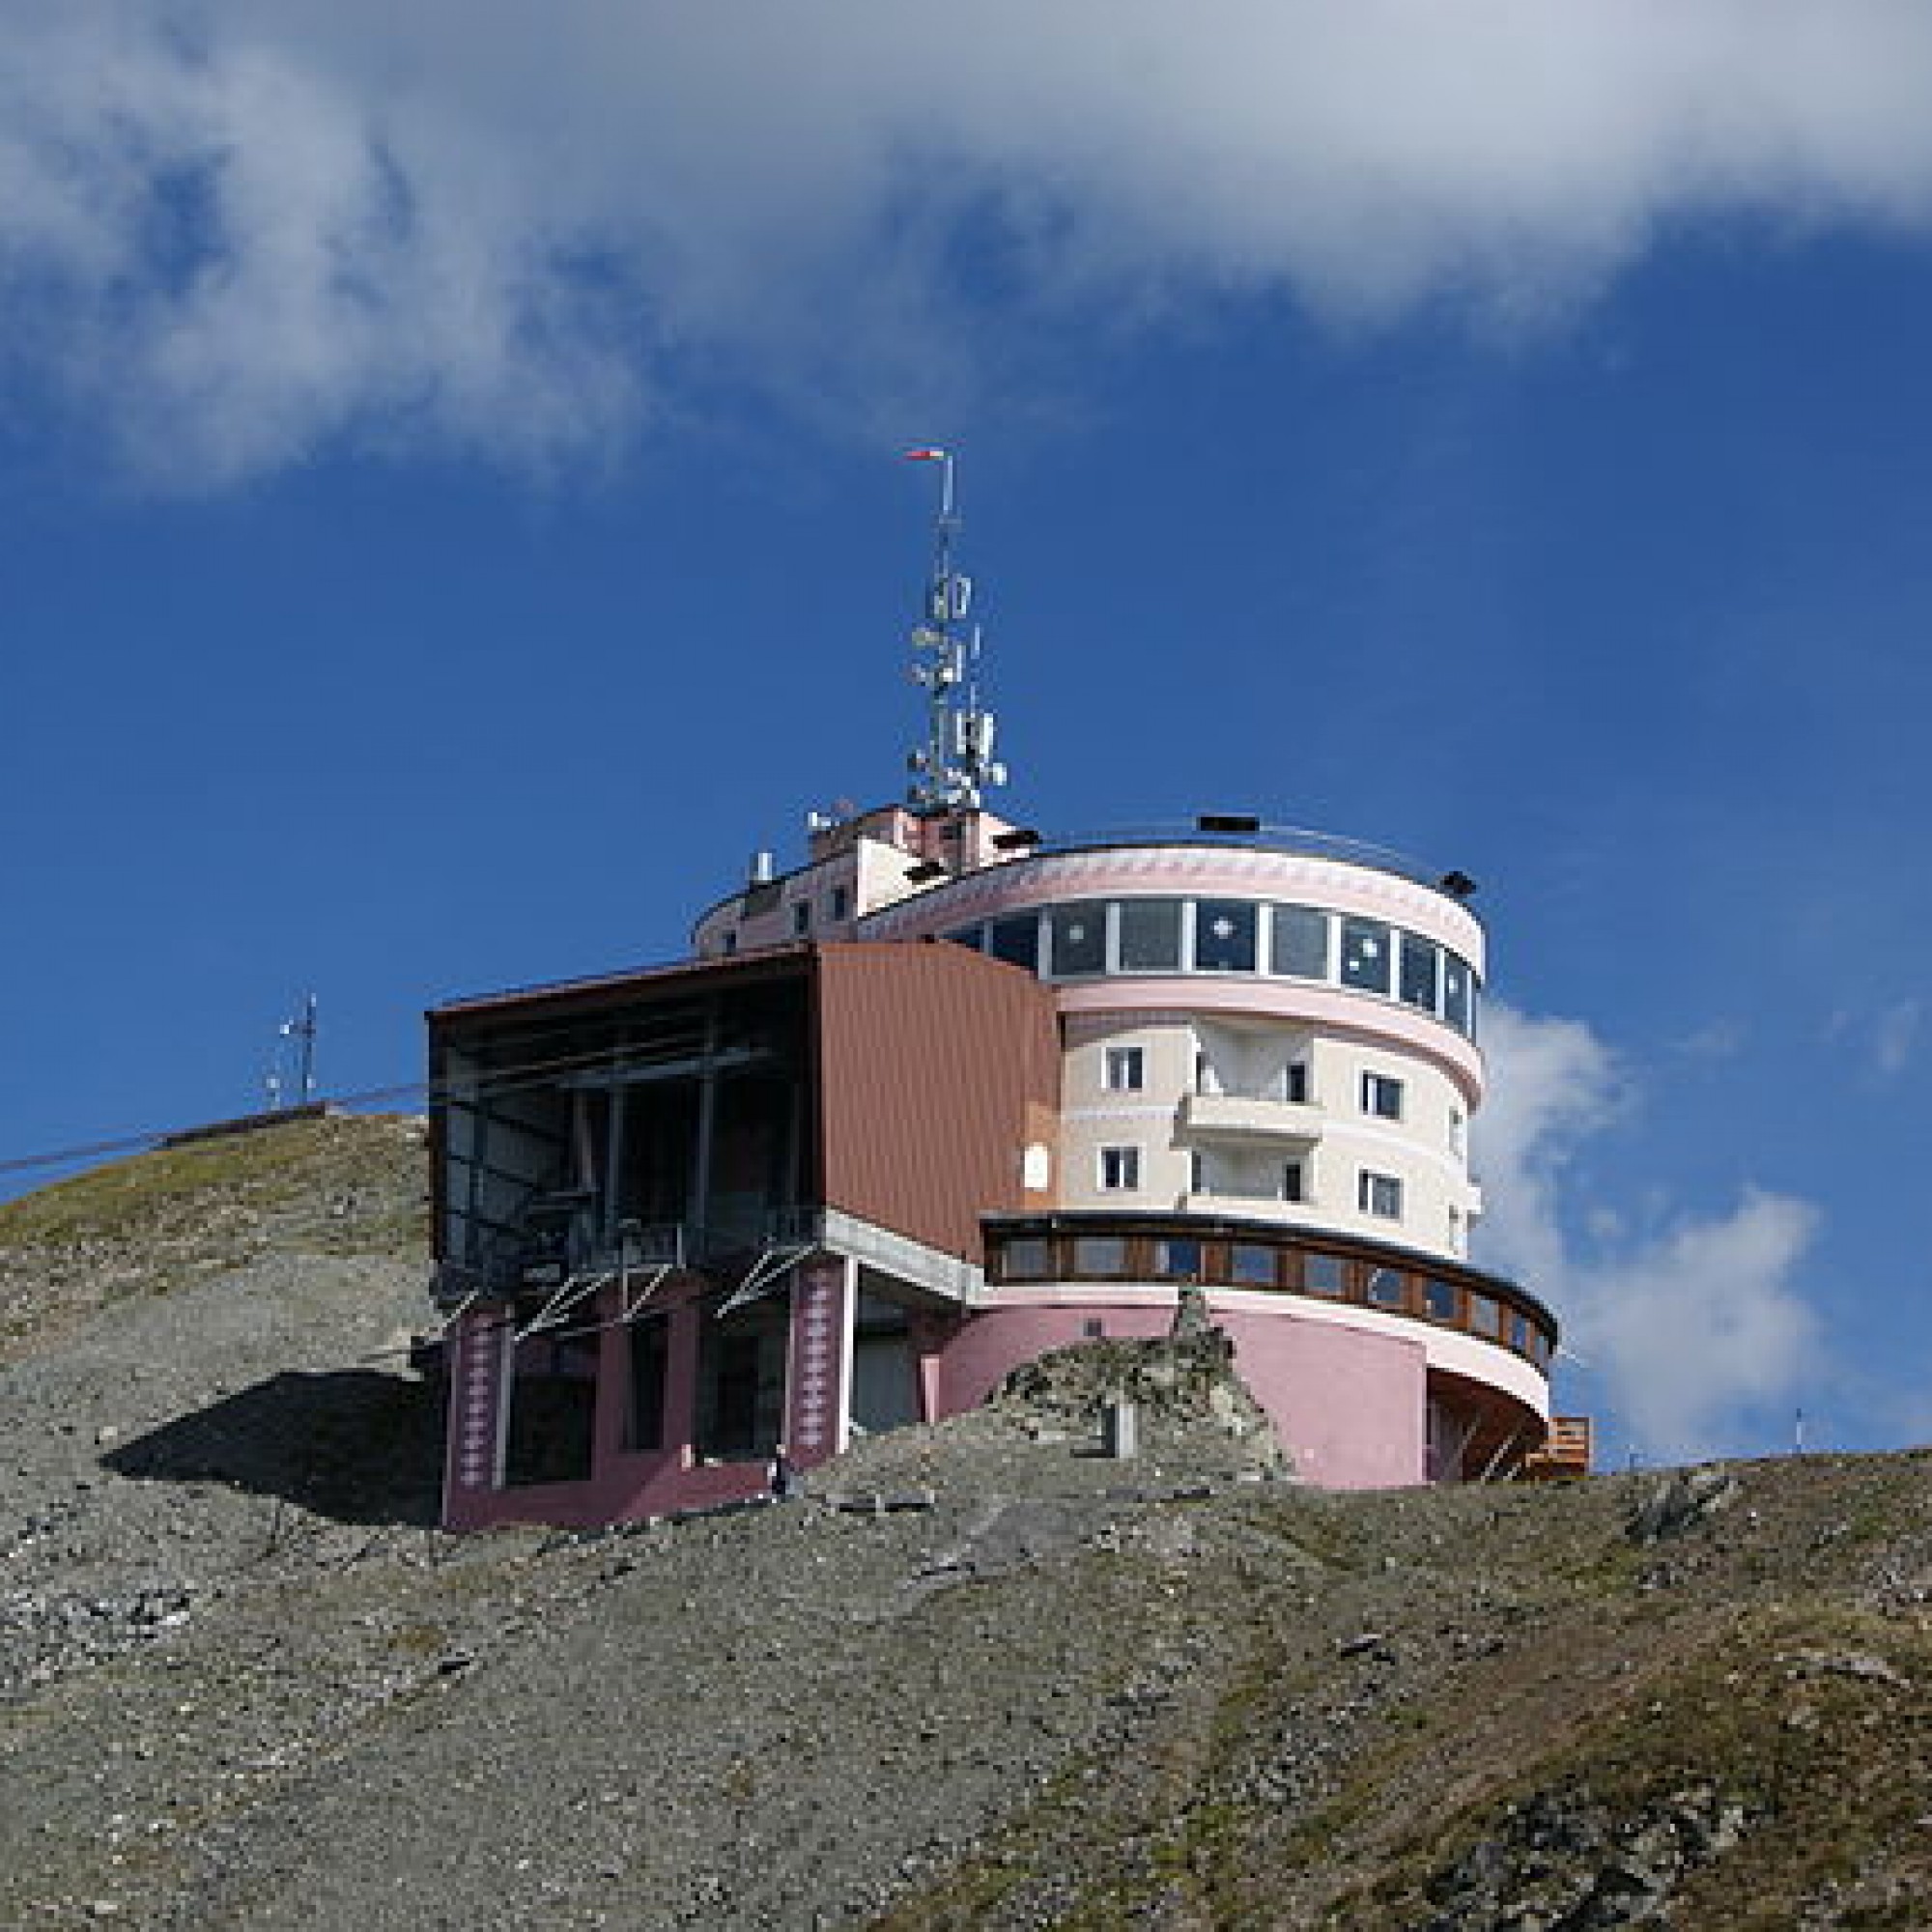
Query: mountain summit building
[951, 1094]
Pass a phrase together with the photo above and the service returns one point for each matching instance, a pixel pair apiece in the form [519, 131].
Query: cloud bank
[233, 229]
[1692, 1320]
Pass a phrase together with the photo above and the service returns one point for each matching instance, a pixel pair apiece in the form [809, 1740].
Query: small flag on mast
[926, 456]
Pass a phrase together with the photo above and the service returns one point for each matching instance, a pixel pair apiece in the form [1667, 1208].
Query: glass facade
[1087, 938]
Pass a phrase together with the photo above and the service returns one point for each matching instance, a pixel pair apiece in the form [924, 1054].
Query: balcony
[1251, 1117]
[1256, 1205]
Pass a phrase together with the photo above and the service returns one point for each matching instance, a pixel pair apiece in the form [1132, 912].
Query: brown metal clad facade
[936, 1068]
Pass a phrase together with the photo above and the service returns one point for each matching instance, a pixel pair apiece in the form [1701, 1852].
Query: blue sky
[451, 517]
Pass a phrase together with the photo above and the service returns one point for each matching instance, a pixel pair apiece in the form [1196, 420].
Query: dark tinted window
[1300, 942]
[1366, 955]
[1224, 936]
[1458, 1008]
[1149, 934]
[1419, 959]
[1077, 935]
[1017, 940]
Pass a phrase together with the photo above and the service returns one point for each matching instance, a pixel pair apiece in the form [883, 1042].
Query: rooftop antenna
[955, 767]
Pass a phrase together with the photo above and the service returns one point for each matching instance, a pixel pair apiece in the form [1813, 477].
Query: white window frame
[1129, 1060]
[1116, 1170]
[1377, 1087]
[1378, 1194]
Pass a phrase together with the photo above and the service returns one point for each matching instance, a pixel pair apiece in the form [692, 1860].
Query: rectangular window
[1017, 940]
[1293, 1181]
[1382, 1097]
[1323, 1274]
[1294, 1082]
[1024, 1259]
[1149, 935]
[801, 916]
[1366, 955]
[1197, 1172]
[1300, 942]
[1388, 1288]
[1458, 1008]
[1457, 1135]
[1119, 1169]
[1378, 1194]
[1224, 936]
[1455, 1241]
[1078, 935]
[1099, 1255]
[1485, 1314]
[1126, 1069]
[1252, 1264]
[1419, 972]
[1440, 1301]
[841, 903]
[1177, 1258]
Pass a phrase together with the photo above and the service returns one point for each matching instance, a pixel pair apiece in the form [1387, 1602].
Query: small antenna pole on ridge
[301, 1030]
[956, 766]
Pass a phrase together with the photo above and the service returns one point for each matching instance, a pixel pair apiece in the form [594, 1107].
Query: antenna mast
[956, 766]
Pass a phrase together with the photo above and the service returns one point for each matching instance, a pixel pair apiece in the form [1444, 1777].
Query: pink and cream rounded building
[948, 1095]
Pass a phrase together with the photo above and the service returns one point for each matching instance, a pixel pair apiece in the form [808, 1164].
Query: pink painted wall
[624, 1484]
[1350, 1407]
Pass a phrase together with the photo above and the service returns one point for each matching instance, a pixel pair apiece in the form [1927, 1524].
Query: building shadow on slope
[350, 1444]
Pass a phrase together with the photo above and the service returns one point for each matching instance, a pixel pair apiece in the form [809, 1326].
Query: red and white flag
[926, 456]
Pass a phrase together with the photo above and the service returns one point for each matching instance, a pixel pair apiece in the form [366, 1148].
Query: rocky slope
[242, 1681]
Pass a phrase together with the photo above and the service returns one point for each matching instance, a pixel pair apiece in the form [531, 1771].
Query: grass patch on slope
[159, 1221]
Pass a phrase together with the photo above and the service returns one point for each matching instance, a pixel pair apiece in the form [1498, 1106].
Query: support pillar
[819, 1392]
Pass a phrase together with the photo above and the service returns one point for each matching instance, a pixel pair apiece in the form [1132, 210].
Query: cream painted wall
[1331, 1136]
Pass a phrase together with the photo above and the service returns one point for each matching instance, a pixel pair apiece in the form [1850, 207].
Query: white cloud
[234, 227]
[1693, 1321]
[1895, 1036]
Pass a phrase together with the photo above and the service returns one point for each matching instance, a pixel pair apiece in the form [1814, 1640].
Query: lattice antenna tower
[955, 767]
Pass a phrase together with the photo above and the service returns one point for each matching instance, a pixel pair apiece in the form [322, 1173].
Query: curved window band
[1085, 939]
